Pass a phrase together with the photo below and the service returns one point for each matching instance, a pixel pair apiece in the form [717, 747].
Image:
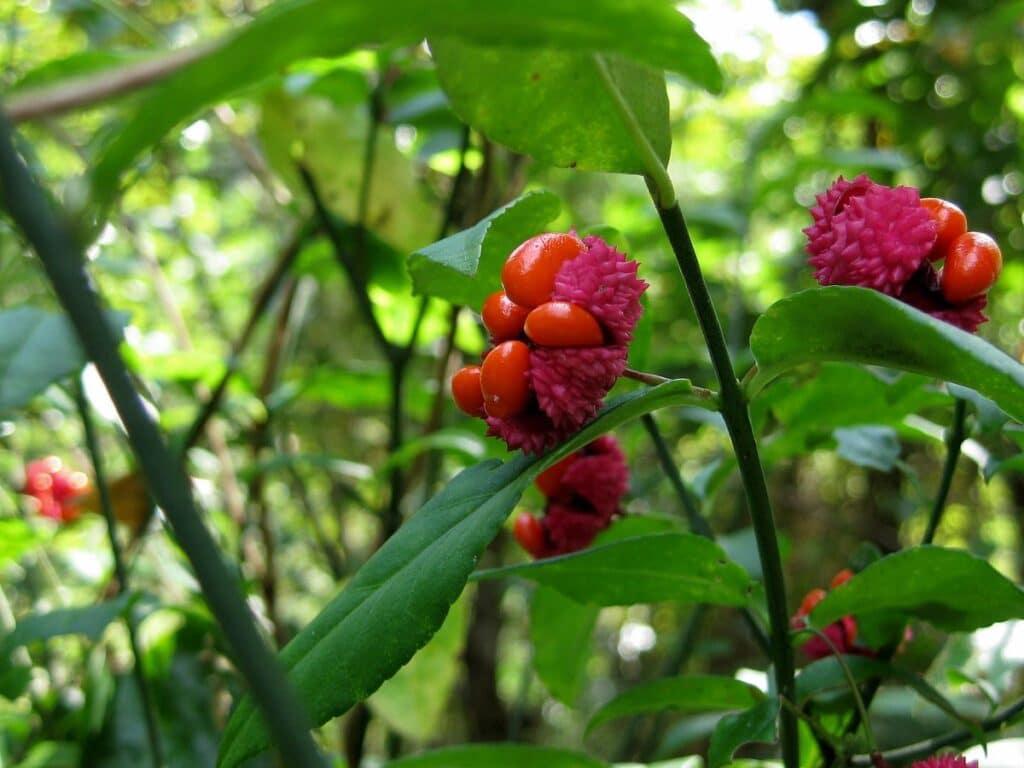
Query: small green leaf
[560, 631]
[733, 731]
[696, 693]
[466, 267]
[864, 326]
[88, 620]
[16, 538]
[952, 589]
[681, 567]
[537, 102]
[37, 348]
[498, 756]
[868, 446]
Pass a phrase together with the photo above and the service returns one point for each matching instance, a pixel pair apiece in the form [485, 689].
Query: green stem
[64, 264]
[737, 421]
[107, 507]
[954, 439]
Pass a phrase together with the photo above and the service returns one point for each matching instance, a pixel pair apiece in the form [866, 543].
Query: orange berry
[563, 324]
[841, 578]
[502, 317]
[529, 274]
[973, 262]
[529, 533]
[503, 379]
[467, 392]
[550, 480]
[810, 600]
[951, 223]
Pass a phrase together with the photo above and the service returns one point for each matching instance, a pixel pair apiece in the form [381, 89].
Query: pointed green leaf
[466, 267]
[695, 693]
[681, 567]
[555, 105]
[952, 589]
[869, 445]
[498, 756]
[400, 596]
[733, 731]
[87, 620]
[864, 326]
[560, 631]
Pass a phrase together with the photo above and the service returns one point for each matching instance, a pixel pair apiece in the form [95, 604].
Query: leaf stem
[954, 439]
[107, 508]
[651, 379]
[64, 264]
[737, 421]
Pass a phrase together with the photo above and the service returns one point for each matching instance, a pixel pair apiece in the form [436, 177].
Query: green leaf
[952, 589]
[466, 267]
[868, 446]
[733, 731]
[414, 701]
[16, 538]
[649, 31]
[88, 620]
[390, 609]
[536, 102]
[680, 567]
[498, 756]
[37, 348]
[696, 693]
[864, 326]
[560, 631]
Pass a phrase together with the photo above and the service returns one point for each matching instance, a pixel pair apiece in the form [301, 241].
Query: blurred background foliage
[294, 471]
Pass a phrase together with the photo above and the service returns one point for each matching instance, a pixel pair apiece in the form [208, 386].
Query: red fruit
[466, 391]
[502, 317]
[951, 222]
[69, 485]
[810, 600]
[841, 578]
[503, 379]
[563, 324]
[973, 262]
[529, 274]
[529, 531]
[550, 480]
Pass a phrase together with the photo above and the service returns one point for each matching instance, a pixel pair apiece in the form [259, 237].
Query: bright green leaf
[498, 756]
[681, 567]
[555, 105]
[16, 538]
[560, 631]
[864, 326]
[952, 589]
[695, 693]
[466, 267]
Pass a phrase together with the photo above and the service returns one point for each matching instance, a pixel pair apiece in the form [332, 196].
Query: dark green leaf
[952, 589]
[649, 31]
[389, 610]
[696, 693]
[498, 756]
[868, 446]
[733, 731]
[864, 326]
[538, 101]
[466, 267]
[560, 631]
[680, 567]
[89, 620]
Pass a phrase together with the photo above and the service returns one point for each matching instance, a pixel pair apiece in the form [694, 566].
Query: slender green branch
[664, 193]
[63, 261]
[954, 439]
[651, 379]
[960, 737]
[698, 524]
[107, 507]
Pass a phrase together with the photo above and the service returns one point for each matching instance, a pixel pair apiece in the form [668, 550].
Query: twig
[954, 439]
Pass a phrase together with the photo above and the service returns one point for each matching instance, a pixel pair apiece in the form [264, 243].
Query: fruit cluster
[583, 491]
[560, 330]
[842, 633]
[56, 489]
[889, 239]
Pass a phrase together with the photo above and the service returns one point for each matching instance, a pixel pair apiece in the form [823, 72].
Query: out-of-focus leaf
[868, 446]
[88, 620]
[466, 267]
[645, 569]
[560, 630]
[16, 538]
[498, 756]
